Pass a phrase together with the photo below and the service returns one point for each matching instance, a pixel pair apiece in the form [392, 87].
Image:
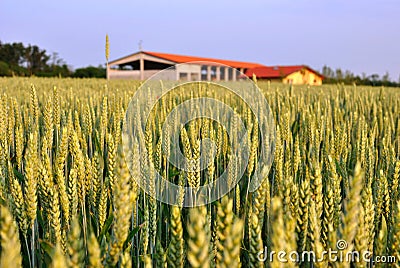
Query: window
[183, 76]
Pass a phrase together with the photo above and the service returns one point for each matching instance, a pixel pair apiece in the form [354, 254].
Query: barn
[143, 64]
[297, 75]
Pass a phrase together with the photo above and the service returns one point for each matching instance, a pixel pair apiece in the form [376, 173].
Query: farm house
[297, 75]
[143, 64]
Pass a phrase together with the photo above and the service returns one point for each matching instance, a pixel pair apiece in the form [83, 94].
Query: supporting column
[208, 73]
[141, 67]
[218, 73]
[189, 78]
[226, 73]
[241, 70]
[234, 74]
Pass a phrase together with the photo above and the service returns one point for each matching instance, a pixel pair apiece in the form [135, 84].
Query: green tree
[13, 53]
[30, 60]
[339, 74]
[385, 77]
[36, 59]
[90, 71]
[4, 69]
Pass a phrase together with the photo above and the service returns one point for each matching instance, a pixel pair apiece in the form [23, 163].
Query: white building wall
[188, 72]
[192, 71]
[135, 74]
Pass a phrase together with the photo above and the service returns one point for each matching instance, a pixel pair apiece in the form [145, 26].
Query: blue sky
[362, 36]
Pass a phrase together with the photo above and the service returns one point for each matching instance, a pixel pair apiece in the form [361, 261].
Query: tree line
[17, 59]
[347, 77]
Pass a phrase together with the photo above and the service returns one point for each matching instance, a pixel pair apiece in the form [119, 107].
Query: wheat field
[69, 199]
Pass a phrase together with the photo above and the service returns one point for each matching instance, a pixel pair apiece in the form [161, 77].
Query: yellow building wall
[303, 77]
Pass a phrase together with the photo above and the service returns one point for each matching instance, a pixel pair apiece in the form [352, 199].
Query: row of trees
[347, 77]
[16, 59]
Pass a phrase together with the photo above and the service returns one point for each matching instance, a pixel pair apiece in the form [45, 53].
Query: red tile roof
[184, 59]
[276, 71]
